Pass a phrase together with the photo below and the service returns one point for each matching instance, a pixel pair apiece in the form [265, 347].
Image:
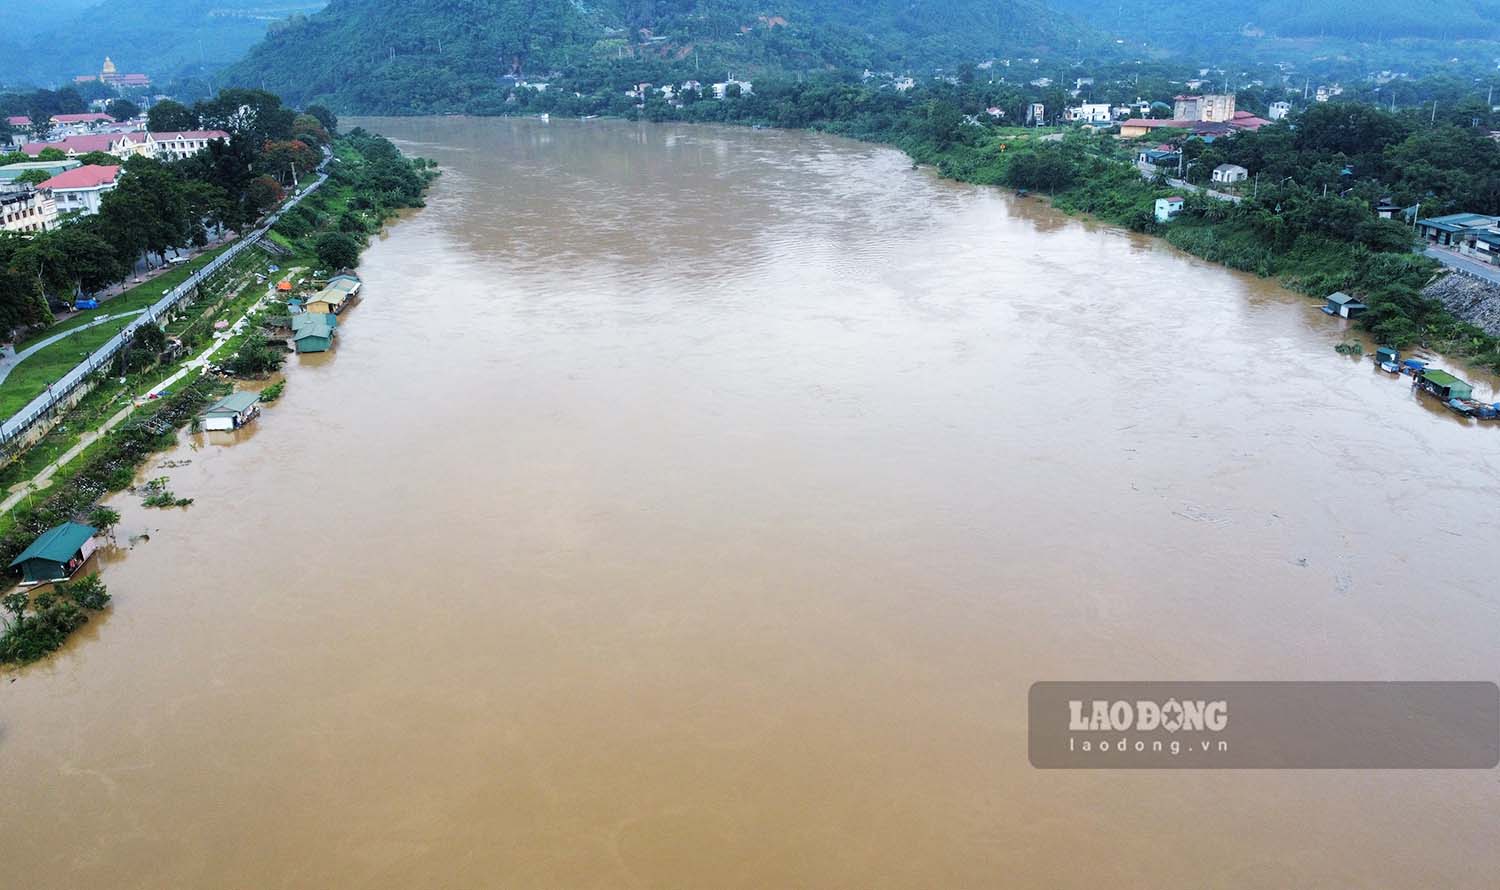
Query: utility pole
[1434, 111]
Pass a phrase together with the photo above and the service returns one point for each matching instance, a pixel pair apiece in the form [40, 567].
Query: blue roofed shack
[57, 554]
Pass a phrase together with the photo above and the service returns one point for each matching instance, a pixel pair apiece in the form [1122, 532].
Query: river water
[693, 507]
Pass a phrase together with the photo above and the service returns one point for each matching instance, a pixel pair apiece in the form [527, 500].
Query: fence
[59, 392]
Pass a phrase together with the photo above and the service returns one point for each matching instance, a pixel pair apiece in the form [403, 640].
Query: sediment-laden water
[693, 507]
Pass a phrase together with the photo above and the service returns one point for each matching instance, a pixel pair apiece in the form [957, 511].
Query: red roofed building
[73, 146]
[19, 120]
[1244, 120]
[81, 189]
[91, 117]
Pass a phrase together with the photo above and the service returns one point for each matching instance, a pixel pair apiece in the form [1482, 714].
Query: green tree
[122, 109]
[325, 117]
[338, 250]
[170, 116]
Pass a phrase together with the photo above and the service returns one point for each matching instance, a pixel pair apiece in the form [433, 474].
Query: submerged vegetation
[37, 625]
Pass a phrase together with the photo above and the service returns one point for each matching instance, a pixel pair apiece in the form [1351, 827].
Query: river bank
[358, 198]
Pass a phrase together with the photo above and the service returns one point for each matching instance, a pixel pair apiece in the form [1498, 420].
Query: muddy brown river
[693, 507]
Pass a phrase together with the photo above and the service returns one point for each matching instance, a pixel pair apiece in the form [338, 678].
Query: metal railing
[59, 391]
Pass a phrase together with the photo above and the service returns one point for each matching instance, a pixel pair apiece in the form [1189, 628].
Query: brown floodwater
[693, 507]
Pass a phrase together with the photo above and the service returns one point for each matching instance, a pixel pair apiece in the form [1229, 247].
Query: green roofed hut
[313, 331]
[1445, 386]
[231, 412]
[57, 554]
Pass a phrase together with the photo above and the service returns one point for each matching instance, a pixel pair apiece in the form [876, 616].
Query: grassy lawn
[138, 297]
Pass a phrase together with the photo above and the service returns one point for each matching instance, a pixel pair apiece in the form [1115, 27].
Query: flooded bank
[693, 507]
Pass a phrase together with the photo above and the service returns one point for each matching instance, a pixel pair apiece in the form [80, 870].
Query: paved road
[1150, 171]
[1462, 263]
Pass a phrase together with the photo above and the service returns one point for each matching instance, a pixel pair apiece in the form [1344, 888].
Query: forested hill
[1166, 20]
[48, 41]
[449, 55]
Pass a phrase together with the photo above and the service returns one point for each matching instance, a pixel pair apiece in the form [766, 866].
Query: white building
[1091, 112]
[1036, 114]
[25, 209]
[82, 189]
[1230, 173]
[174, 146]
[1168, 208]
[1279, 110]
[721, 90]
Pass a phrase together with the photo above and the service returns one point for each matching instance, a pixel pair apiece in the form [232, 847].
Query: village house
[26, 209]
[81, 190]
[721, 90]
[1168, 208]
[1159, 157]
[1206, 130]
[1092, 112]
[231, 412]
[1230, 173]
[57, 554]
[1036, 114]
[1278, 110]
[335, 295]
[1210, 107]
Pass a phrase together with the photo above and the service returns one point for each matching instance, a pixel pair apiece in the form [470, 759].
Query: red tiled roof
[91, 176]
[79, 144]
[19, 120]
[174, 135]
[1151, 123]
[87, 118]
[1177, 198]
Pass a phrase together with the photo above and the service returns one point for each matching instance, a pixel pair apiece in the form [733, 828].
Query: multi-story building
[81, 190]
[1207, 107]
[26, 209]
[169, 146]
[175, 146]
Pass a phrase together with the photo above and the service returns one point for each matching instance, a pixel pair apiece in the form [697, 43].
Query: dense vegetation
[54, 40]
[431, 56]
[35, 626]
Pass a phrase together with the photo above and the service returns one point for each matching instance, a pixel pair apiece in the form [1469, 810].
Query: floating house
[1343, 305]
[57, 554]
[1388, 359]
[313, 331]
[1445, 386]
[231, 412]
[335, 295]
